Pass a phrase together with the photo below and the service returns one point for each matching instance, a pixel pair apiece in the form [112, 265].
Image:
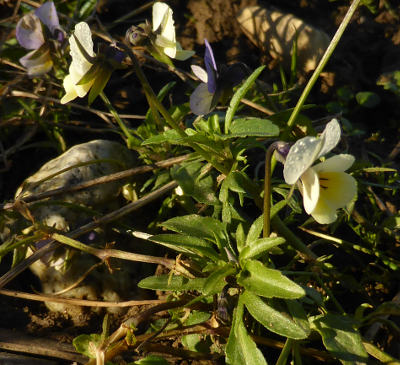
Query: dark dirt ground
[369, 48]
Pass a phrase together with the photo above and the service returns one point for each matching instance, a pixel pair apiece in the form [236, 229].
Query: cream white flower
[325, 186]
[163, 26]
[80, 64]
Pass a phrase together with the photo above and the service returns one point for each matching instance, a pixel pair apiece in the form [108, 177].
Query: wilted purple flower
[214, 82]
[29, 33]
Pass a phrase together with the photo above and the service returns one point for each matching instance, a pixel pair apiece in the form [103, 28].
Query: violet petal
[47, 13]
[211, 68]
[29, 32]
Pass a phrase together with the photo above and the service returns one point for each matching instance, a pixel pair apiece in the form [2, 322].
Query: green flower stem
[267, 191]
[322, 63]
[282, 360]
[130, 138]
[157, 105]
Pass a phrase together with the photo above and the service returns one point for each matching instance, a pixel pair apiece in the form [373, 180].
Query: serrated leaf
[272, 319]
[241, 349]
[268, 283]
[171, 283]
[340, 338]
[197, 226]
[239, 94]
[252, 127]
[186, 244]
[260, 246]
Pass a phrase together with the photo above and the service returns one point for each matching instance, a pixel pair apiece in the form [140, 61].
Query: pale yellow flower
[163, 27]
[80, 65]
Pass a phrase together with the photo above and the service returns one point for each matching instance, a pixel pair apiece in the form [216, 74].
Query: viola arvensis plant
[215, 83]
[87, 70]
[30, 35]
[325, 187]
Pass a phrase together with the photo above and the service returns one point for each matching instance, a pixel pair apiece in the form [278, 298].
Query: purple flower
[29, 34]
[215, 83]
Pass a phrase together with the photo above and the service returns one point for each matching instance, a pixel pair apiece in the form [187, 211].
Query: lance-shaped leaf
[260, 247]
[187, 244]
[273, 319]
[269, 283]
[241, 349]
[172, 283]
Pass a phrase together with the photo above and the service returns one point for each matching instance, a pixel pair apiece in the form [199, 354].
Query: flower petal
[300, 157]
[338, 163]
[70, 90]
[200, 72]
[201, 100]
[330, 137]
[337, 190]
[162, 17]
[309, 188]
[159, 11]
[37, 64]
[211, 68]
[84, 35]
[29, 32]
[47, 13]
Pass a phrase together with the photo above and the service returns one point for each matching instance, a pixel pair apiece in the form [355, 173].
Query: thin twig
[100, 180]
[74, 301]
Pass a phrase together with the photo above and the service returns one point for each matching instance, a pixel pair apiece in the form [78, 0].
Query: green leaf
[239, 94]
[151, 360]
[86, 8]
[198, 226]
[255, 230]
[340, 338]
[169, 136]
[187, 244]
[240, 183]
[260, 246]
[240, 348]
[216, 280]
[197, 317]
[252, 127]
[193, 183]
[269, 283]
[274, 320]
[86, 344]
[171, 283]
[298, 314]
[368, 99]
[195, 342]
